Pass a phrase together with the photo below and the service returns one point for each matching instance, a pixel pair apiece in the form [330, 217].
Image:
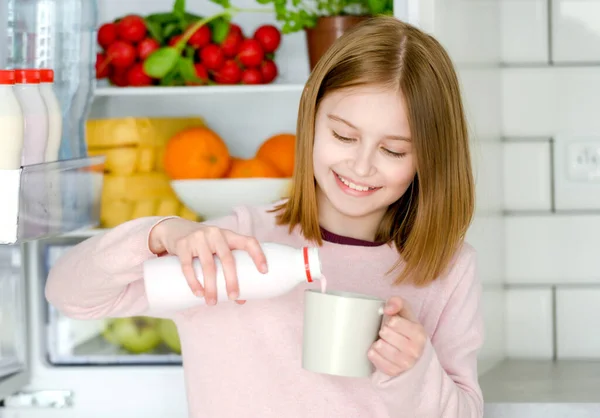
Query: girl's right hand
[187, 240]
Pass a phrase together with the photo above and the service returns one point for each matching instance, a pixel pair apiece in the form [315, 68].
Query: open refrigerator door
[106, 342]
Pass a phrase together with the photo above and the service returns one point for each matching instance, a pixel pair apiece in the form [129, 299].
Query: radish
[136, 76]
[107, 34]
[132, 28]
[252, 76]
[212, 57]
[147, 47]
[121, 54]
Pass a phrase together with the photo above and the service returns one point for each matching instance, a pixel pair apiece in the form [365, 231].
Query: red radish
[137, 77]
[230, 73]
[235, 28]
[251, 53]
[107, 34]
[147, 47]
[252, 76]
[212, 57]
[231, 43]
[103, 68]
[121, 54]
[269, 71]
[200, 73]
[201, 37]
[173, 41]
[132, 28]
[269, 37]
[119, 77]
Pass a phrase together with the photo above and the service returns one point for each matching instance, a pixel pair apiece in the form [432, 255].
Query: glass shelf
[49, 199]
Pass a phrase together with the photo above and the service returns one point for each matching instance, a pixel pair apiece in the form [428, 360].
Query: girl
[383, 185]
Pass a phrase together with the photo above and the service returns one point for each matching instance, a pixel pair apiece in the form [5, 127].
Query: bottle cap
[27, 76]
[312, 263]
[46, 75]
[7, 77]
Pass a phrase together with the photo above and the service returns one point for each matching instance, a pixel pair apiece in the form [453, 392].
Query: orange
[279, 151]
[252, 168]
[196, 153]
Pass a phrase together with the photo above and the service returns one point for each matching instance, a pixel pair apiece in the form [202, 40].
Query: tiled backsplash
[551, 127]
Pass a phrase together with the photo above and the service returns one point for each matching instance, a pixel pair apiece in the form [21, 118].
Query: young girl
[383, 185]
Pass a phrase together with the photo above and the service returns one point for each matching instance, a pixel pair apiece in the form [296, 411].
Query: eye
[394, 154]
[342, 138]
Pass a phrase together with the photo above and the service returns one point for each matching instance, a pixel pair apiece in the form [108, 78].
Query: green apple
[169, 335]
[137, 334]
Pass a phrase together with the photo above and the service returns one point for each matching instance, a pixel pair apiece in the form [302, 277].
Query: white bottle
[54, 114]
[35, 116]
[11, 123]
[168, 291]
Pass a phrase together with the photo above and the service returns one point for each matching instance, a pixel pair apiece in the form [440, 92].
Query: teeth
[355, 186]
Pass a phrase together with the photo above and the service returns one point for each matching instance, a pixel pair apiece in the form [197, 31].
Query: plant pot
[325, 32]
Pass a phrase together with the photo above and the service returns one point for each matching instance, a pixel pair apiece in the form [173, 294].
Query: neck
[361, 228]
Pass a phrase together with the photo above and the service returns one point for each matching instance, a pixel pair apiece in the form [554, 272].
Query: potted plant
[325, 20]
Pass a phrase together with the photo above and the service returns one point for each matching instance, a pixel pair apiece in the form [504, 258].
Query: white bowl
[213, 198]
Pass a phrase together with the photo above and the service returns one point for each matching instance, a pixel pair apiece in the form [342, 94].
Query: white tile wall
[529, 323]
[553, 249]
[551, 89]
[527, 175]
[578, 323]
[576, 31]
[524, 16]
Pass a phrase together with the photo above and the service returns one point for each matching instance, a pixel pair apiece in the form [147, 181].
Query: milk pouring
[167, 290]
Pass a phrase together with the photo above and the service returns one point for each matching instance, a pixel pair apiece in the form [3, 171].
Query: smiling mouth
[354, 186]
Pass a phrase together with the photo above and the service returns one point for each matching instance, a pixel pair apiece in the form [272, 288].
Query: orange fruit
[252, 168]
[279, 150]
[196, 153]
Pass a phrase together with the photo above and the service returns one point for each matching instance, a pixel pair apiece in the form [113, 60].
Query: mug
[339, 329]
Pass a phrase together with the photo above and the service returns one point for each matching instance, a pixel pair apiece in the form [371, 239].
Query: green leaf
[189, 51]
[188, 71]
[223, 3]
[179, 8]
[377, 6]
[162, 18]
[171, 30]
[161, 62]
[155, 30]
[174, 78]
[220, 29]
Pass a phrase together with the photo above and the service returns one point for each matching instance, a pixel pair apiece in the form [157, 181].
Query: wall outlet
[583, 161]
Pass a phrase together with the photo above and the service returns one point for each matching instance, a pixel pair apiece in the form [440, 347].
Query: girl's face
[363, 157]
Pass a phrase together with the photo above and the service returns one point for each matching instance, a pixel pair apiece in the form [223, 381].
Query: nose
[363, 161]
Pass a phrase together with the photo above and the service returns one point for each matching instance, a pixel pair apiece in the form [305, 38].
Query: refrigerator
[53, 366]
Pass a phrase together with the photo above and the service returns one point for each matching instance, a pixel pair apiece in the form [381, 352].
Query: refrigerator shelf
[49, 199]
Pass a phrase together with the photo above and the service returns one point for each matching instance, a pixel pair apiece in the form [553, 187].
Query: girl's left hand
[402, 340]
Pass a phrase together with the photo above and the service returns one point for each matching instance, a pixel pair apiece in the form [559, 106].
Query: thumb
[398, 306]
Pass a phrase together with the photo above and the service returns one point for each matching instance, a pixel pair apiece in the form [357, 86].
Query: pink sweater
[244, 361]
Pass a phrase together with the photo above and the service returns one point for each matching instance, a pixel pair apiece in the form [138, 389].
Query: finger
[382, 364]
[209, 269]
[251, 246]
[228, 262]
[411, 330]
[240, 302]
[398, 306]
[394, 338]
[392, 354]
[185, 254]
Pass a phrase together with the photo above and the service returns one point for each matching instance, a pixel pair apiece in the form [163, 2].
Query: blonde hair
[429, 222]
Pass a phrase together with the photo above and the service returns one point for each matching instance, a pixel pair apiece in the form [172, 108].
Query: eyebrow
[345, 122]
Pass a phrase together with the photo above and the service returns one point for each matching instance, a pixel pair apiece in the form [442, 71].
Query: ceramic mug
[339, 329]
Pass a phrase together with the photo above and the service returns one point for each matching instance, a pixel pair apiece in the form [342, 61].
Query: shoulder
[254, 219]
[460, 272]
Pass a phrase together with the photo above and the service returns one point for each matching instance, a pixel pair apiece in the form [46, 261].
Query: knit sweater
[245, 360]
